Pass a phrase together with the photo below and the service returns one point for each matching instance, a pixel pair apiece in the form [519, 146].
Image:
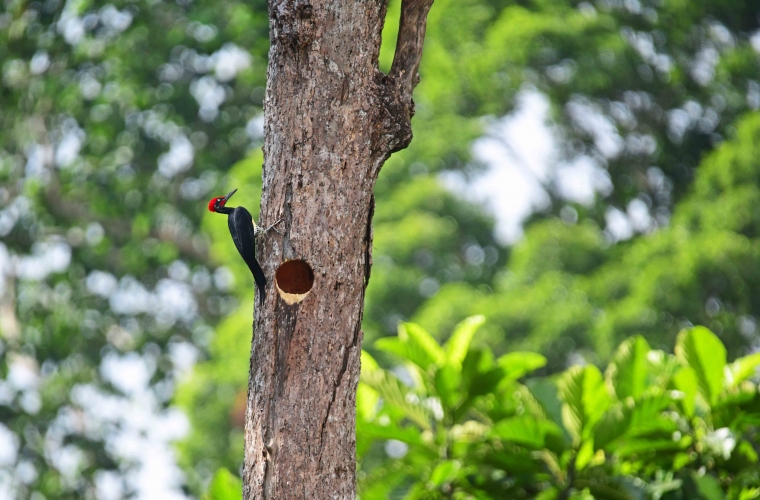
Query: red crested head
[213, 202]
[216, 203]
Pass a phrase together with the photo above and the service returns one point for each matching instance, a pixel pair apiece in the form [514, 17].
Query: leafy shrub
[453, 422]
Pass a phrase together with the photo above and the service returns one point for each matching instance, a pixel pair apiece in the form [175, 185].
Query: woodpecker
[244, 232]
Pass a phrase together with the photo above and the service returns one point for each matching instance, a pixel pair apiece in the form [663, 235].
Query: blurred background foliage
[122, 299]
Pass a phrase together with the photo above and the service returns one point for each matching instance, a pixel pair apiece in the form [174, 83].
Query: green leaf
[661, 367]
[470, 431]
[366, 397]
[459, 342]
[748, 493]
[545, 392]
[416, 335]
[366, 402]
[445, 472]
[686, 381]
[480, 385]
[633, 418]
[581, 494]
[380, 482]
[413, 344]
[614, 423]
[614, 488]
[663, 483]
[224, 486]
[647, 414]
[395, 393]
[742, 369]
[703, 351]
[531, 404]
[447, 382]
[526, 430]
[549, 494]
[518, 364]
[476, 361]
[485, 382]
[733, 399]
[394, 345]
[585, 398]
[514, 460]
[407, 434]
[627, 374]
[649, 445]
[368, 362]
[585, 455]
[709, 487]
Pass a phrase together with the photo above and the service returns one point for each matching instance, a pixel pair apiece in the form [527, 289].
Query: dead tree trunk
[331, 120]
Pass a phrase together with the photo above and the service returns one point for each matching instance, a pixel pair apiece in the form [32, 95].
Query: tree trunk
[331, 120]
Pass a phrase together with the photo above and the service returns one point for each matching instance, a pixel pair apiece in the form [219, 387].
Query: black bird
[244, 232]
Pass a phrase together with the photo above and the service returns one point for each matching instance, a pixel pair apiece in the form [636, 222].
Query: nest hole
[294, 280]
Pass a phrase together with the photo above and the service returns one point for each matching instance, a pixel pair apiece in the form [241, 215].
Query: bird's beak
[224, 200]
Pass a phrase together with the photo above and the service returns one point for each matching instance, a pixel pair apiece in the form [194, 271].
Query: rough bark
[331, 120]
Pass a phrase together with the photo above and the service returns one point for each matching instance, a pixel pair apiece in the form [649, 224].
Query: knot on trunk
[394, 108]
[293, 23]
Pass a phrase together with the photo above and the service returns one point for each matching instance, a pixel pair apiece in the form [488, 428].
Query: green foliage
[428, 430]
[673, 81]
[107, 158]
[584, 400]
[565, 292]
[701, 269]
[627, 373]
[704, 353]
[224, 486]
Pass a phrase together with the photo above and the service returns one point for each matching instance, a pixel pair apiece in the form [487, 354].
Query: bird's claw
[272, 228]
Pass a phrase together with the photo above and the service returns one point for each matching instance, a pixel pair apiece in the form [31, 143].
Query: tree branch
[411, 36]
[394, 131]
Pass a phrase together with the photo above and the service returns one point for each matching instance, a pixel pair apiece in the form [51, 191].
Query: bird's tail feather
[258, 275]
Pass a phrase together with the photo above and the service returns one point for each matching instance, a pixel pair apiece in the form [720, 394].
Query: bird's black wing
[241, 229]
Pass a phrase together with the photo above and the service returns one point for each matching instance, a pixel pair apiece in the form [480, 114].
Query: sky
[522, 157]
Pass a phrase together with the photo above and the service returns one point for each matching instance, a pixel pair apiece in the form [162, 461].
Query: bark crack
[357, 329]
[346, 354]
[368, 242]
[344, 90]
[287, 247]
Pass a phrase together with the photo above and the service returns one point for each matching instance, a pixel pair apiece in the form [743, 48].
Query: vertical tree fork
[332, 118]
